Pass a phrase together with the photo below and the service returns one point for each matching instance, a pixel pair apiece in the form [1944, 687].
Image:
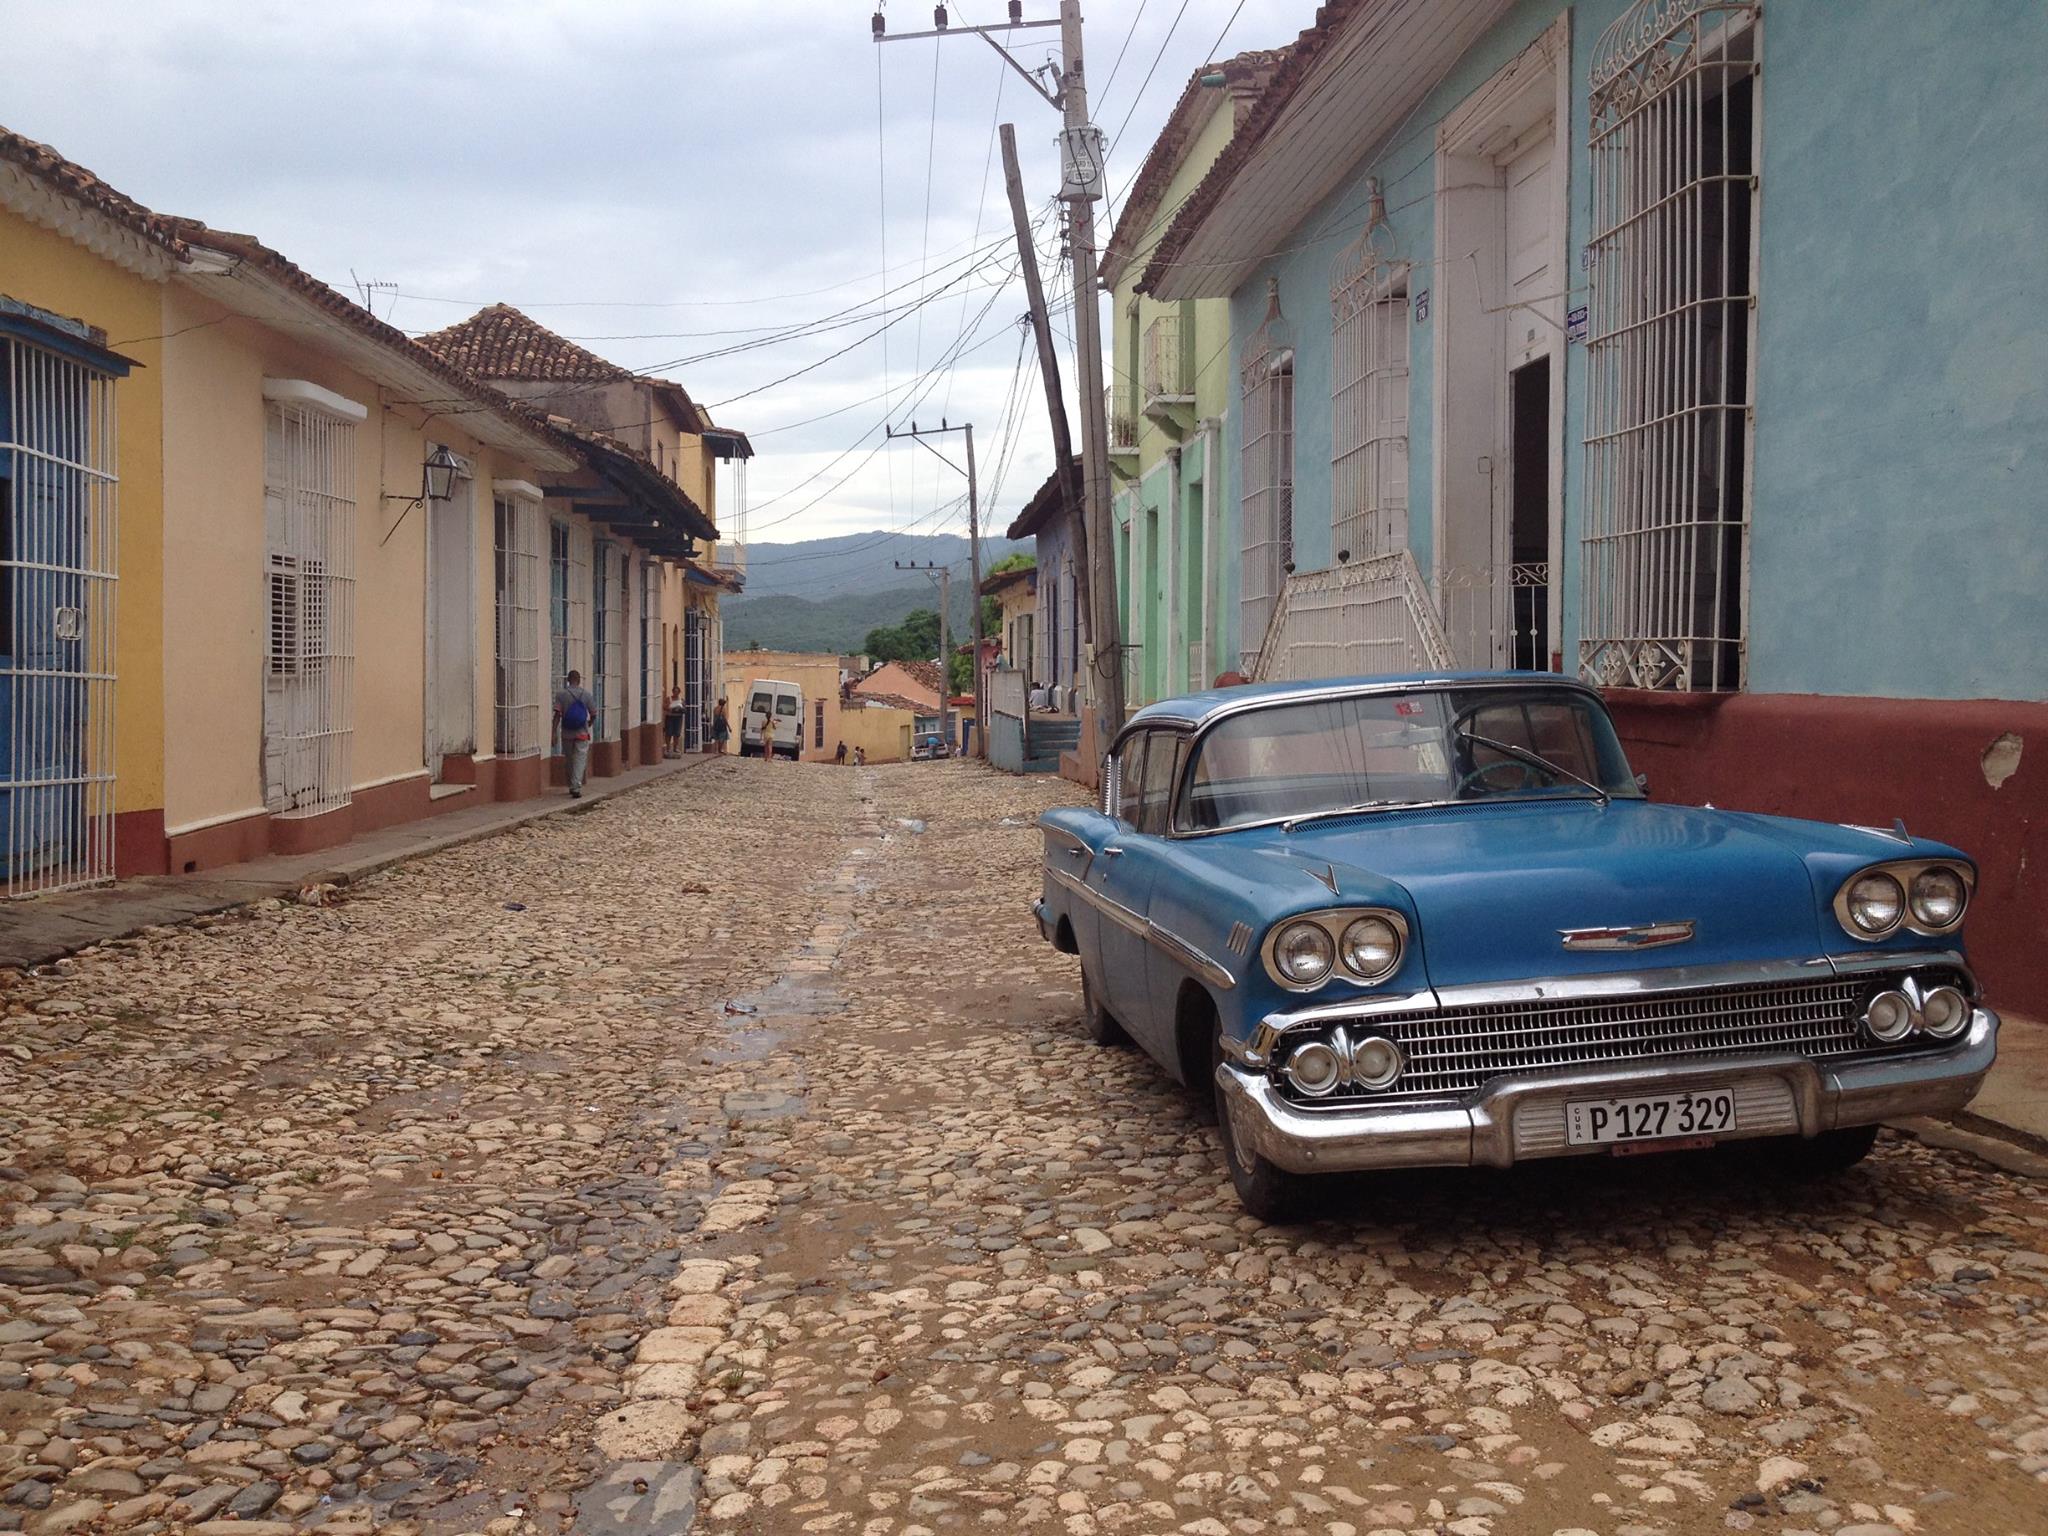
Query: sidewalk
[41, 929]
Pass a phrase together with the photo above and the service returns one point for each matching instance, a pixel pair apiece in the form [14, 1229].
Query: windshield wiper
[1534, 760]
[1353, 810]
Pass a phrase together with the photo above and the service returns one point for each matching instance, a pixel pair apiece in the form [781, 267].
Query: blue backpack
[576, 716]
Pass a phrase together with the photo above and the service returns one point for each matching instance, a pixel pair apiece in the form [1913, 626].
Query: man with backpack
[575, 709]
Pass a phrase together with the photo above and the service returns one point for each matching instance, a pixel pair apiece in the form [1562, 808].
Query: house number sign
[1422, 307]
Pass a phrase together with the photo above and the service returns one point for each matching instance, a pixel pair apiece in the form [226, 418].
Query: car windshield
[1427, 746]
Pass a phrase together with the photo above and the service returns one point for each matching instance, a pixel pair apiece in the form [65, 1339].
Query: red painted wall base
[1973, 773]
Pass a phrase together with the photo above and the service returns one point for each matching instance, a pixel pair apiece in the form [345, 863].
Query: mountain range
[826, 594]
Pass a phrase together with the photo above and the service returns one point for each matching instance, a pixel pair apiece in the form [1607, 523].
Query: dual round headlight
[1308, 950]
[1891, 1015]
[1929, 898]
[1319, 1067]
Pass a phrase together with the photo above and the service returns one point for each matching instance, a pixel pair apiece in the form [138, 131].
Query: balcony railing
[1168, 368]
[1123, 421]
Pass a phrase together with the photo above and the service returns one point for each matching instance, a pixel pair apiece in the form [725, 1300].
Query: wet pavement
[757, 1176]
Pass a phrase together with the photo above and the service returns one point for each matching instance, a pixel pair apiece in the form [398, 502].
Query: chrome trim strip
[1869, 960]
[1676, 978]
[1629, 938]
[1192, 958]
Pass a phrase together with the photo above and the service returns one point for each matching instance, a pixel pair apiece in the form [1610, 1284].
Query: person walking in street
[721, 729]
[672, 724]
[575, 710]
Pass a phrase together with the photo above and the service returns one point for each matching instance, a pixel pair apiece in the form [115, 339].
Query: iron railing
[1167, 370]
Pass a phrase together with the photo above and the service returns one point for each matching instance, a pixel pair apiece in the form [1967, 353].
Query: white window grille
[1671, 346]
[695, 680]
[309, 516]
[1368, 402]
[58, 561]
[650, 641]
[521, 624]
[1167, 370]
[608, 640]
[1266, 372]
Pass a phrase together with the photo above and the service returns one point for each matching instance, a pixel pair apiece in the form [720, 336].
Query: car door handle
[1112, 852]
[1071, 852]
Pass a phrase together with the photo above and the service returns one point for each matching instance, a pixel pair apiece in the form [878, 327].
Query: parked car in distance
[1413, 921]
[784, 702]
[929, 745]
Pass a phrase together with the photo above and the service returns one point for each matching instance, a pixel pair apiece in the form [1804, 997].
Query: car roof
[1198, 708]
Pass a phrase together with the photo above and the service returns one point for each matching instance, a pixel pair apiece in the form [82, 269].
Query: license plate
[1660, 1117]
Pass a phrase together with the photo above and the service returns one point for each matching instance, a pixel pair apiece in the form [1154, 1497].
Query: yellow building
[818, 674]
[83, 273]
[655, 420]
[348, 574]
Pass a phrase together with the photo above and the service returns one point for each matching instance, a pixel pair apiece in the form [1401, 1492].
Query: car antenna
[1899, 829]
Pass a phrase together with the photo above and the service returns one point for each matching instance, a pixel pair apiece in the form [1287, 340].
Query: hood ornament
[1640, 936]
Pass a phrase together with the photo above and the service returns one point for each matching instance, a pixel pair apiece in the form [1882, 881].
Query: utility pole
[1081, 151]
[1081, 184]
[919, 435]
[944, 576]
[1072, 496]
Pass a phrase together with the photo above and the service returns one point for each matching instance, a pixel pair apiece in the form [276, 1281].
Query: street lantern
[437, 475]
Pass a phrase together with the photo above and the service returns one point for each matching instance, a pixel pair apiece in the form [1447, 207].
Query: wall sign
[1422, 306]
[1575, 324]
[1589, 257]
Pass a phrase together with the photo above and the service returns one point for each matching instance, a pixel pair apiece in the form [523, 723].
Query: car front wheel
[1266, 1191]
[1102, 1029]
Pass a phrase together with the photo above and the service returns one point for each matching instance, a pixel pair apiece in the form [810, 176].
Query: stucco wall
[1902, 402]
[215, 644]
[817, 675]
[886, 733]
[44, 269]
[1902, 348]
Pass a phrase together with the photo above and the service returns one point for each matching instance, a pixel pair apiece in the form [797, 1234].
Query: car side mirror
[1643, 784]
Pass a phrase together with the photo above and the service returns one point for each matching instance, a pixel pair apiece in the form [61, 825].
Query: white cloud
[628, 172]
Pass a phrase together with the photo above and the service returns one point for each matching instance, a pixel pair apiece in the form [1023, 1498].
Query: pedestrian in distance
[575, 709]
[721, 729]
[768, 738]
[839, 756]
[672, 724]
[860, 757]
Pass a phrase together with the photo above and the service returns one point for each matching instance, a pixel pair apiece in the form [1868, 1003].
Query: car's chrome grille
[1456, 1051]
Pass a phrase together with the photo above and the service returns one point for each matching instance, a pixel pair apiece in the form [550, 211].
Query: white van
[785, 703]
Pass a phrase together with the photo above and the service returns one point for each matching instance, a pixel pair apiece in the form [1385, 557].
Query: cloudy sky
[664, 180]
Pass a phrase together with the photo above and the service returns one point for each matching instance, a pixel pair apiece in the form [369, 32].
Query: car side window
[1162, 758]
[1130, 778]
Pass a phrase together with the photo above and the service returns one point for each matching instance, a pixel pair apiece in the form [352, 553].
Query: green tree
[915, 639]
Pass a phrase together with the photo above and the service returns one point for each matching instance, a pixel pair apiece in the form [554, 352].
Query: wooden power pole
[1081, 186]
[1072, 498]
[919, 434]
[943, 575]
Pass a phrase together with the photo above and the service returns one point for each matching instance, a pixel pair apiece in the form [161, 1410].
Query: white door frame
[444, 732]
[1535, 84]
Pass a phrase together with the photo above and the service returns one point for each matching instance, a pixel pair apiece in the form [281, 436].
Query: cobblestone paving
[730, 1158]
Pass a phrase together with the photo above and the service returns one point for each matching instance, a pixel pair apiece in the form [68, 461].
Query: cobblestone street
[729, 1156]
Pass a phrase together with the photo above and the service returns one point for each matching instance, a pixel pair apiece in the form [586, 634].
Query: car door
[1123, 873]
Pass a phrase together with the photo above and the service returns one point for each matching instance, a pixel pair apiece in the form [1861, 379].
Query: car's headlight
[1303, 953]
[1370, 947]
[1938, 897]
[1928, 896]
[1876, 903]
[1944, 1013]
[1361, 945]
[1313, 1068]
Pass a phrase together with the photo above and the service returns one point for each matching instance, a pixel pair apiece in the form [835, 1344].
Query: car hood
[1493, 887]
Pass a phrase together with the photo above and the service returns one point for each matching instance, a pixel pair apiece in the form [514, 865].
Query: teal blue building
[1698, 348]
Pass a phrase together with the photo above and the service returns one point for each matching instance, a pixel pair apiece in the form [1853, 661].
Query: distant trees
[915, 639]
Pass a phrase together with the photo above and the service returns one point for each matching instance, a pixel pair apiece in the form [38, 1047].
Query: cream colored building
[655, 421]
[350, 574]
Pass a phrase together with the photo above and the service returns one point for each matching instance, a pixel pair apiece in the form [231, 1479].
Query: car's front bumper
[1515, 1119]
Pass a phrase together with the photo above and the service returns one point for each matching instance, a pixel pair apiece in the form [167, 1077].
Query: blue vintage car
[1412, 921]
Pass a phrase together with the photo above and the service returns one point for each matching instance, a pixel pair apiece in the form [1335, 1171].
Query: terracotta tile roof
[999, 581]
[892, 701]
[929, 673]
[502, 343]
[1247, 74]
[76, 182]
[1286, 79]
[1044, 502]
